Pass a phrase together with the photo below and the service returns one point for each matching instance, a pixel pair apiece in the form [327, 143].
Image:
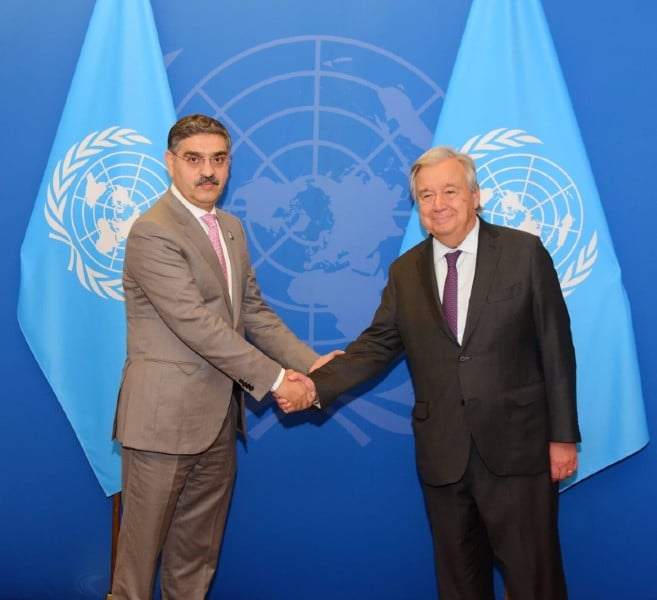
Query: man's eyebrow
[195, 153]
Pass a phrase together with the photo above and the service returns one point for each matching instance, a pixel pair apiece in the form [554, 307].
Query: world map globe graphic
[108, 197]
[324, 130]
[534, 194]
[321, 154]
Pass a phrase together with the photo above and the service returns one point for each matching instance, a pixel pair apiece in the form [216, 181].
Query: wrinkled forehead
[448, 171]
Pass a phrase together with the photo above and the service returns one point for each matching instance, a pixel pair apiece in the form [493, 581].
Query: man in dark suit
[191, 301]
[495, 418]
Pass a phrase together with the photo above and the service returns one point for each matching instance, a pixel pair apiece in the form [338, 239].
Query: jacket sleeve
[374, 349]
[552, 324]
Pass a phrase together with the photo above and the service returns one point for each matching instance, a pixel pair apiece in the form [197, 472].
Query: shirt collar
[468, 245]
[192, 208]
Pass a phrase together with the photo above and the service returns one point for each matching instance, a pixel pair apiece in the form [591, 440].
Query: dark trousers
[485, 518]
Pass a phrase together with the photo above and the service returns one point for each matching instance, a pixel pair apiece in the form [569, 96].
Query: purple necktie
[450, 292]
[213, 232]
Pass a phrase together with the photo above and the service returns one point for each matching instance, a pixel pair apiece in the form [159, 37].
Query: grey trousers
[175, 505]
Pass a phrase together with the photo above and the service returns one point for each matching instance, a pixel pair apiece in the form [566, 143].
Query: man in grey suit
[199, 335]
[495, 417]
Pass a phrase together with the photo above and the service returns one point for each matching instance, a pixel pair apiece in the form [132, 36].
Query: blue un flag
[507, 106]
[105, 168]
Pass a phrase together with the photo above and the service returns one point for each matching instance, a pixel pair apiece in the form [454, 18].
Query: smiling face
[199, 168]
[446, 203]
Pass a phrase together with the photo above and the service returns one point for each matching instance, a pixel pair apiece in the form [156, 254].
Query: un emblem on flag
[96, 193]
[524, 190]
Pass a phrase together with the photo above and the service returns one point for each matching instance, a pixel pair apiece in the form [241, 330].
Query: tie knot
[451, 258]
[210, 220]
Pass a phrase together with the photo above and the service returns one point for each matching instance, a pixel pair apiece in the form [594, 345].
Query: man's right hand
[296, 392]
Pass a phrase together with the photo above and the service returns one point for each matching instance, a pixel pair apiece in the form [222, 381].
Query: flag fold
[105, 168]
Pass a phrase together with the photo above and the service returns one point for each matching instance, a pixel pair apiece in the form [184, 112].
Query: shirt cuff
[278, 381]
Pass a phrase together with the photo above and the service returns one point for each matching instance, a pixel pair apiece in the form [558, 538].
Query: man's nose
[438, 201]
[206, 167]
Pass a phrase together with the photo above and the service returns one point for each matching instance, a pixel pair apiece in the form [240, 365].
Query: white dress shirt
[465, 266]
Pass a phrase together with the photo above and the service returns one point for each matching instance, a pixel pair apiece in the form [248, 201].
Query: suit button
[464, 358]
[462, 402]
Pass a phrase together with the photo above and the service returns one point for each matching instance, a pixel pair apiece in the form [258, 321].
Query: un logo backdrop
[328, 109]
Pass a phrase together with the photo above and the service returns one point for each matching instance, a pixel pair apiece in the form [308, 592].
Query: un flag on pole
[105, 168]
[507, 106]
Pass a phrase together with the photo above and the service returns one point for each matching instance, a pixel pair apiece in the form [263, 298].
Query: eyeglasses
[197, 160]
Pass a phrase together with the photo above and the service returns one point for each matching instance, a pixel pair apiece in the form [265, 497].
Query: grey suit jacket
[186, 339]
[510, 386]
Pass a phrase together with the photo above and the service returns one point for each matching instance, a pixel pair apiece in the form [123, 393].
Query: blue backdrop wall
[323, 508]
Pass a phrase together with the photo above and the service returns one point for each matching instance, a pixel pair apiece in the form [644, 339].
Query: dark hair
[193, 125]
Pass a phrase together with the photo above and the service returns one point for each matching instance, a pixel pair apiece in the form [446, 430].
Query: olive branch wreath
[479, 146]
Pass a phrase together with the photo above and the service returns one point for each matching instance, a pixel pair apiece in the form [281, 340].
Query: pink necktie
[450, 292]
[213, 232]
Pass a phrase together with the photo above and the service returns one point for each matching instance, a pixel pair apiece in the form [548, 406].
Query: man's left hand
[563, 460]
[322, 360]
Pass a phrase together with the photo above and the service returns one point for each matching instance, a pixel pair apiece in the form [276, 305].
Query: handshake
[297, 391]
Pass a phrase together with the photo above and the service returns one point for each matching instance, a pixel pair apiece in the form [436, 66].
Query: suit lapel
[193, 230]
[235, 261]
[488, 255]
[429, 285]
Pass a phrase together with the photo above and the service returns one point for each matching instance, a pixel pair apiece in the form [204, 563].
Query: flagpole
[116, 522]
